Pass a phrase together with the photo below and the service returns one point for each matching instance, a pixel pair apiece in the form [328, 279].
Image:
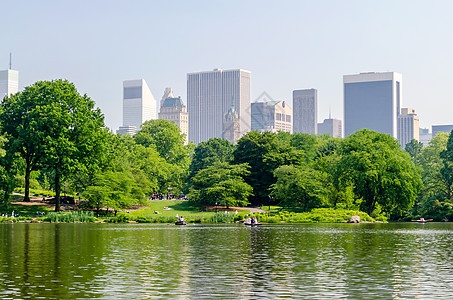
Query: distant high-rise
[9, 83]
[435, 129]
[139, 104]
[425, 136]
[173, 109]
[373, 101]
[408, 126]
[272, 116]
[305, 111]
[331, 127]
[209, 96]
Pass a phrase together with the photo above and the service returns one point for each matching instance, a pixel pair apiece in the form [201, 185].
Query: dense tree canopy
[264, 152]
[381, 173]
[221, 184]
[51, 124]
[209, 152]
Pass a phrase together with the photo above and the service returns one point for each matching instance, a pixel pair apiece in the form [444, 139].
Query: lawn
[181, 207]
[26, 210]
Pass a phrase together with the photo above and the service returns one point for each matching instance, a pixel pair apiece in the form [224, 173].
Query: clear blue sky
[286, 45]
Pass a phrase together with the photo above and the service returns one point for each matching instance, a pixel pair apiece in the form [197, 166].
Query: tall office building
[425, 136]
[139, 105]
[331, 127]
[373, 101]
[173, 109]
[435, 129]
[305, 111]
[9, 83]
[408, 126]
[209, 96]
[272, 116]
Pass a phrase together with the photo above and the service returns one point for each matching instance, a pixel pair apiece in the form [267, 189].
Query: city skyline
[86, 44]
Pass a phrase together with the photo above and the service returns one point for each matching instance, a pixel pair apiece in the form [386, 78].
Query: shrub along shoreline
[319, 215]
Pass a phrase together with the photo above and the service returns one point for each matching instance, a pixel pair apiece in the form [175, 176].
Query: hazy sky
[286, 45]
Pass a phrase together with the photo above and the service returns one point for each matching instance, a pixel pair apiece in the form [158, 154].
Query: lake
[143, 261]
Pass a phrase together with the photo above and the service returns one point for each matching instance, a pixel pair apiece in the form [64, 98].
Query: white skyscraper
[373, 101]
[210, 94]
[408, 126]
[305, 111]
[9, 83]
[139, 105]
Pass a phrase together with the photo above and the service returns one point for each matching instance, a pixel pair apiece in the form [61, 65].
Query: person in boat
[445, 219]
[249, 221]
[181, 219]
[254, 220]
[422, 219]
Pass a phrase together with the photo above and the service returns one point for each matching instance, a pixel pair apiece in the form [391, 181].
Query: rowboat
[252, 224]
[181, 223]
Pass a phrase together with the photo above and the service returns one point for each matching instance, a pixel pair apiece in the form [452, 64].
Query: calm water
[361, 261]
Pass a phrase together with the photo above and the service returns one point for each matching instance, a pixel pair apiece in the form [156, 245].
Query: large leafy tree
[414, 148]
[221, 183]
[264, 152]
[381, 173]
[209, 152]
[446, 170]
[300, 187]
[168, 140]
[54, 127]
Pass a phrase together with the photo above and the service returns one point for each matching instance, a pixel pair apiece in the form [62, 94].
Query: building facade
[425, 136]
[408, 126]
[231, 126]
[331, 127]
[139, 104]
[9, 83]
[272, 116]
[435, 129]
[209, 96]
[173, 109]
[373, 101]
[305, 111]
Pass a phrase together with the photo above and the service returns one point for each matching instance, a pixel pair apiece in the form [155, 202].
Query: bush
[317, 215]
[72, 216]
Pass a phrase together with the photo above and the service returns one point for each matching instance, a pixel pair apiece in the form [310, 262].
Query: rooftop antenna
[10, 61]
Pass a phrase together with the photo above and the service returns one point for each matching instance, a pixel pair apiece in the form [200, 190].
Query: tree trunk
[27, 182]
[57, 190]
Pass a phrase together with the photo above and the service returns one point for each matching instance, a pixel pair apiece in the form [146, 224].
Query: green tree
[53, 127]
[168, 140]
[221, 183]
[209, 152]
[264, 152]
[431, 163]
[300, 187]
[381, 173]
[446, 170]
[414, 148]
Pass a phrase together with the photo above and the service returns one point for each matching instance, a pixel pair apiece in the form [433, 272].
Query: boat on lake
[181, 222]
[252, 224]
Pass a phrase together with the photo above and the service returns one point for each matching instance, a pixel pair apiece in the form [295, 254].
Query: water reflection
[86, 261]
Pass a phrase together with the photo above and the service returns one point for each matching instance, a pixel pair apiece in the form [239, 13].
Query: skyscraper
[209, 96]
[9, 83]
[435, 129]
[305, 111]
[373, 101]
[331, 127]
[173, 109]
[139, 105]
[231, 126]
[272, 116]
[408, 126]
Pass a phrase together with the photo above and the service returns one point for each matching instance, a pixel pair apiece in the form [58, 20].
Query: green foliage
[264, 152]
[207, 153]
[301, 187]
[221, 184]
[318, 215]
[446, 170]
[72, 216]
[379, 172]
[414, 148]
